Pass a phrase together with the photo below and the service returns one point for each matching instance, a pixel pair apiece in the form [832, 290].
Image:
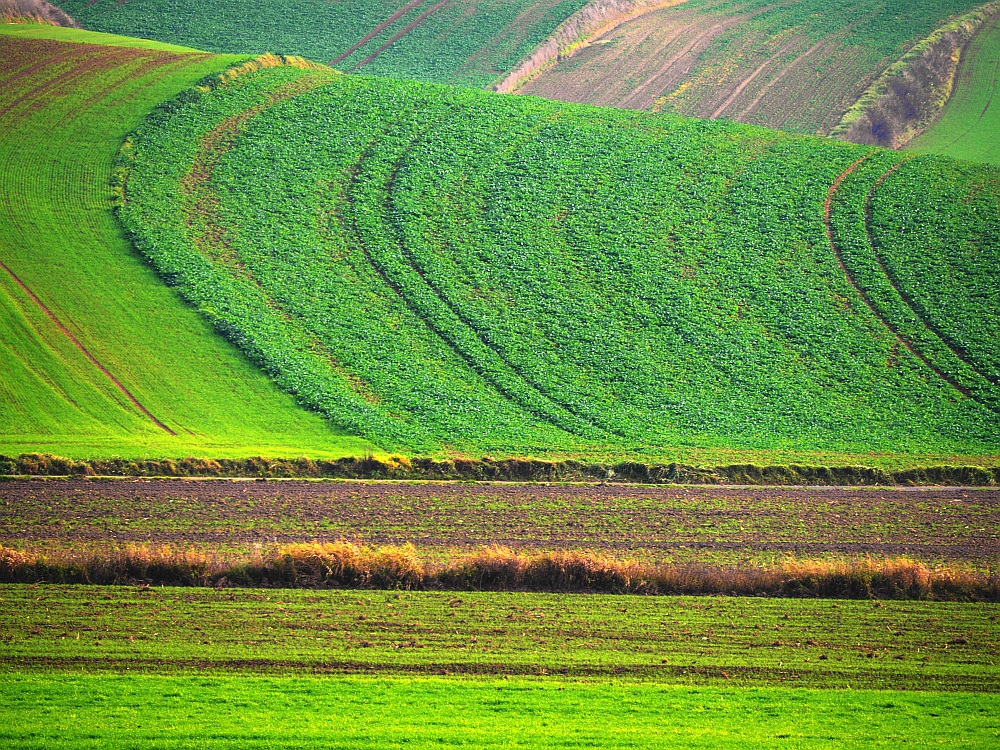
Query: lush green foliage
[887, 214]
[761, 641]
[462, 41]
[945, 257]
[432, 266]
[65, 110]
[95, 711]
[969, 125]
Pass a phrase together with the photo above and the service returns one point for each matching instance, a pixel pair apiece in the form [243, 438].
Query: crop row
[809, 98]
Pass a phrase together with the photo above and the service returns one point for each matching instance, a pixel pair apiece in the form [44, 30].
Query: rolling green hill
[445, 268]
[97, 356]
[469, 42]
[969, 126]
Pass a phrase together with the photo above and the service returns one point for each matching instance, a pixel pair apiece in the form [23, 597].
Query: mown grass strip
[98, 711]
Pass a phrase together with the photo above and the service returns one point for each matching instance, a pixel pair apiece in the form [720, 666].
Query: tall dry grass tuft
[34, 11]
[346, 565]
[268, 60]
[342, 564]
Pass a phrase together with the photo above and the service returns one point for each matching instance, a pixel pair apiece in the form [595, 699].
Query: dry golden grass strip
[496, 568]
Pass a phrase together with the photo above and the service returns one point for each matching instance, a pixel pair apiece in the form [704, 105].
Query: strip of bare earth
[722, 526]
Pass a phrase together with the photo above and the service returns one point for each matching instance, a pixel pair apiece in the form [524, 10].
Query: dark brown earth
[704, 524]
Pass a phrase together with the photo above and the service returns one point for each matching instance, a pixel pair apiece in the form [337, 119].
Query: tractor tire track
[779, 78]
[403, 32]
[376, 31]
[750, 79]
[958, 351]
[484, 340]
[835, 246]
[76, 342]
[354, 177]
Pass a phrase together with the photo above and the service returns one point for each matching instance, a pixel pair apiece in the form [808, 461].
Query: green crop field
[99, 357]
[736, 640]
[453, 41]
[220, 255]
[554, 277]
[969, 125]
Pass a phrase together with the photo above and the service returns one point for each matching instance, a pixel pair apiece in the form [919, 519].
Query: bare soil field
[771, 65]
[709, 525]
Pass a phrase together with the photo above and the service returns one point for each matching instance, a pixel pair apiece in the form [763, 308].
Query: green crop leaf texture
[448, 269]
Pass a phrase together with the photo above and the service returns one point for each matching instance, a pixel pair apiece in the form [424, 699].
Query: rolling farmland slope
[969, 128]
[444, 267]
[469, 42]
[98, 356]
[795, 66]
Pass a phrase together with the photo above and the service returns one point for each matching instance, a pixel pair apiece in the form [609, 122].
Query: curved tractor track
[440, 315]
[904, 298]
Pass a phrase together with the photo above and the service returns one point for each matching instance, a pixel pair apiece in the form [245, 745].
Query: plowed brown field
[715, 59]
[703, 524]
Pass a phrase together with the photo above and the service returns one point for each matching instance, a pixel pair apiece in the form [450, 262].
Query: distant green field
[511, 275]
[969, 128]
[469, 42]
[64, 110]
[96, 711]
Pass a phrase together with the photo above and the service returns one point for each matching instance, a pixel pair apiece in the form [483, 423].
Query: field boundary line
[831, 236]
[376, 30]
[76, 342]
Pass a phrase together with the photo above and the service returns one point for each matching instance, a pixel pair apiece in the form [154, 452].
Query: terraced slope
[444, 267]
[970, 124]
[794, 66]
[470, 42]
[97, 356]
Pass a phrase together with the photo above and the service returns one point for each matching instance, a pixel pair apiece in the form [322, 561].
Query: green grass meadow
[970, 123]
[58, 235]
[249, 711]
